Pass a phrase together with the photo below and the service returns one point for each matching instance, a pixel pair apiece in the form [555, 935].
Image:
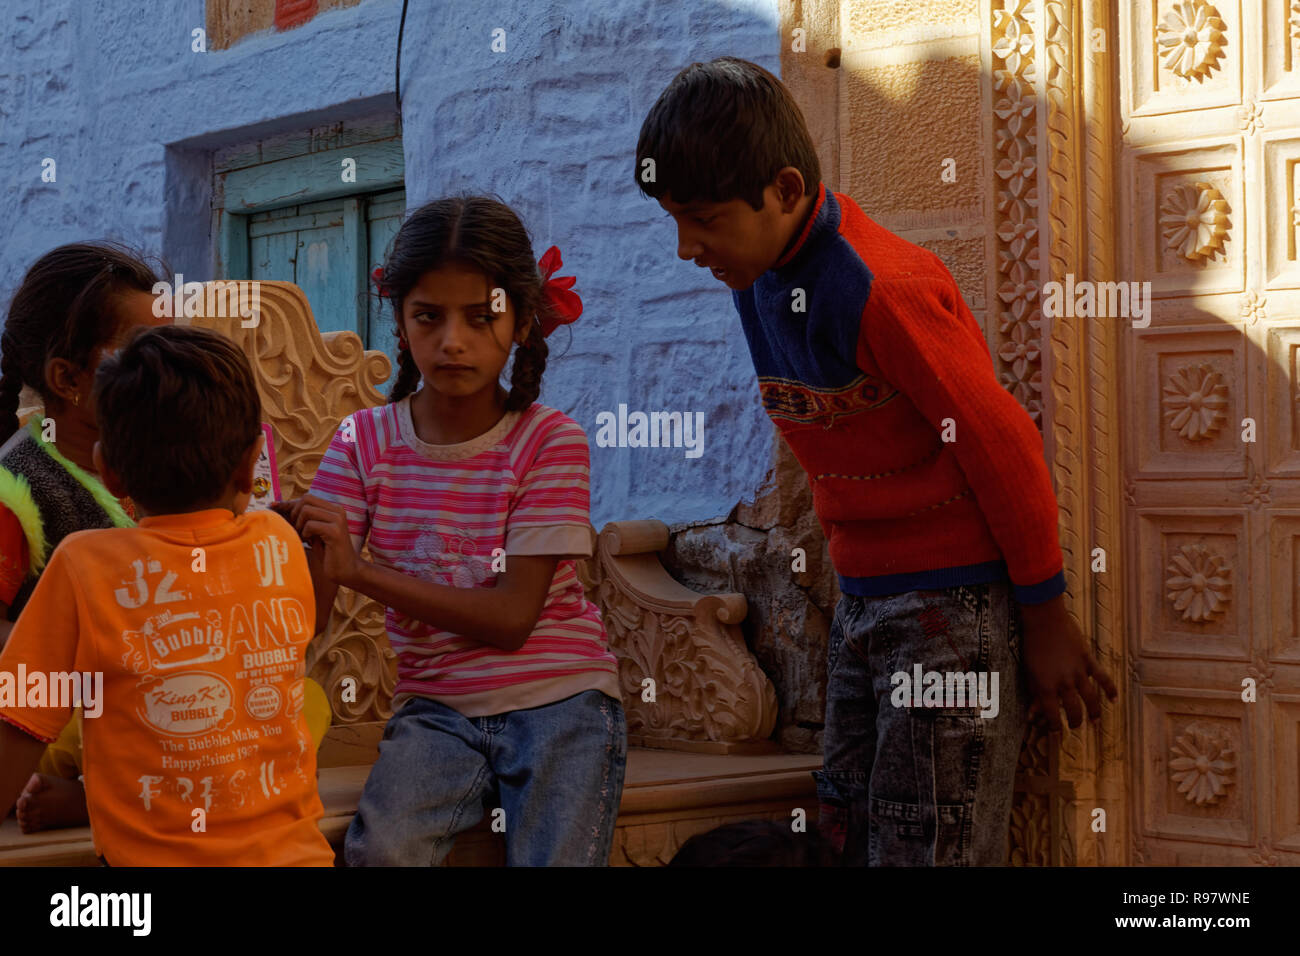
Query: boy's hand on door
[1062, 671]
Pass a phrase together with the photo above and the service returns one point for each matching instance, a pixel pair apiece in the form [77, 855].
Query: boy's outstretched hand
[324, 524]
[1062, 671]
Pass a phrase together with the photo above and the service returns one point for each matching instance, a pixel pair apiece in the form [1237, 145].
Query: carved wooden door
[1209, 169]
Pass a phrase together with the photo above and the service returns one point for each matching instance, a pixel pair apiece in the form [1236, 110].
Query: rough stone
[788, 624]
[782, 497]
[800, 740]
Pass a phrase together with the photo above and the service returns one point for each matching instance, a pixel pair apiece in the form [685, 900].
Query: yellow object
[63, 757]
[318, 712]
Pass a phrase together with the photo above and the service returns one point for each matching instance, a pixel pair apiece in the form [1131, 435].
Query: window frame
[292, 171]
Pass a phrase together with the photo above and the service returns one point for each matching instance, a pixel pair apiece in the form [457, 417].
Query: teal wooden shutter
[383, 217]
[304, 244]
[282, 211]
[328, 249]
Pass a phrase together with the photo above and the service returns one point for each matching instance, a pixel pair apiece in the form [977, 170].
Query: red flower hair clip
[378, 277]
[565, 306]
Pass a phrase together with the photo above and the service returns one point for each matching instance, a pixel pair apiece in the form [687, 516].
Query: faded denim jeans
[930, 785]
[556, 771]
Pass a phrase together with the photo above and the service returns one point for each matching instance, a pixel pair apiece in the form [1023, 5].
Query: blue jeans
[556, 771]
[910, 779]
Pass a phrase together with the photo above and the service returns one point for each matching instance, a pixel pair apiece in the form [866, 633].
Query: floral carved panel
[1281, 439]
[1186, 54]
[1186, 416]
[1284, 587]
[1209, 157]
[1285, 776]
[1194, 221]
[1198, 582]
[1192, 569]
[1196, 402]
[1281, 163]
[1281, 36]
[1191, 39]
[1189, 217]
[1199, 768]
[1203, 764]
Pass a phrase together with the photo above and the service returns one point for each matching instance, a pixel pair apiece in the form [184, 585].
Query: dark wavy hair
[484, 233]
[63, 309]
[722, 130]
[178, 411]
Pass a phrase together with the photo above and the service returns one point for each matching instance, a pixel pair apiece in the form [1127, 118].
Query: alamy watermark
[949, 689]
[61, 689]
[652, 430]
[130, 910]
[1098, 300]
[225, 299]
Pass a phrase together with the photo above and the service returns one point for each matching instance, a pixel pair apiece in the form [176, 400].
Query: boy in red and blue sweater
[927, 477]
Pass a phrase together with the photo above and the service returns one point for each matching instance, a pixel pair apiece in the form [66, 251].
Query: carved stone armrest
[708, 693]
[309, 382]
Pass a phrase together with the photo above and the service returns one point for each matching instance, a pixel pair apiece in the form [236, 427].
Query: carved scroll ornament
[709, 694]
[308, 383]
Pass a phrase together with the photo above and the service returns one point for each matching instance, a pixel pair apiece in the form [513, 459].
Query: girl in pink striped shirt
[474, 501]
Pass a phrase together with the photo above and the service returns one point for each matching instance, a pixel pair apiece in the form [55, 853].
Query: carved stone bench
[699, 708]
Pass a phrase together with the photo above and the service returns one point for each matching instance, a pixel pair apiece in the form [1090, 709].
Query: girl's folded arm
[502, 616]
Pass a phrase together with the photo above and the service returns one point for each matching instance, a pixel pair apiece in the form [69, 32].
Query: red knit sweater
[866, 384]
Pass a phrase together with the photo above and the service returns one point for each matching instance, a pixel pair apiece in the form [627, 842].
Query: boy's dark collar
[824, 215]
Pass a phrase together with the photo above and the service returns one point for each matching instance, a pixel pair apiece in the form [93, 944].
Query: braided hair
[484, 233]
[63, 309]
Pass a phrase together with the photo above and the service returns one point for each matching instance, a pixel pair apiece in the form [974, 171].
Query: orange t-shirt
[199, 624]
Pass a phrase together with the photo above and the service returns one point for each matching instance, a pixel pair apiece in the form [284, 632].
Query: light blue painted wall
[112, 91]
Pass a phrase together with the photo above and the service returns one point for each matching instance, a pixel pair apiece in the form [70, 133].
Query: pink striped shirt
[436, 512]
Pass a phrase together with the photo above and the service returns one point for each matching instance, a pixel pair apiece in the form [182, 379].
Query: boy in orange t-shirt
[185, 636]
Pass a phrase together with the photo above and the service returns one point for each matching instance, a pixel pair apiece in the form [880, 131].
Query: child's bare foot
[50, 802]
